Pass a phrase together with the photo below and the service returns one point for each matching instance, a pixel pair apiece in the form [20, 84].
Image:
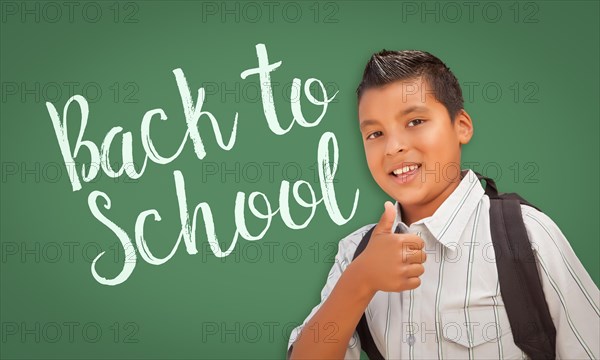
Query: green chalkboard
[80, 279]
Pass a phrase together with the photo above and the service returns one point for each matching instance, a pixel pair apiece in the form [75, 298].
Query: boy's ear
[463, 125]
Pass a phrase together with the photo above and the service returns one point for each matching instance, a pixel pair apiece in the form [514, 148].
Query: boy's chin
[408, 201]
[408, 198]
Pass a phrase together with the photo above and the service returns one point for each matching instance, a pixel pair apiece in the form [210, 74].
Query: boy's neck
[421, 211]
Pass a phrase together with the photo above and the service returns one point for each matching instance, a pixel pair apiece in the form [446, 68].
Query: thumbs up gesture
[391, 262]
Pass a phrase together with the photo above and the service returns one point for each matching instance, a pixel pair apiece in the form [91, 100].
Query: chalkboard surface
[155, 199]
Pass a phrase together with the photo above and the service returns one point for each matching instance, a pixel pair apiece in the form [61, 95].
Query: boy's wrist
[356, 274]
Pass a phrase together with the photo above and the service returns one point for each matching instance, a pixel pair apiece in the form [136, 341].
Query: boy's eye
[415, 122]
[370, 136]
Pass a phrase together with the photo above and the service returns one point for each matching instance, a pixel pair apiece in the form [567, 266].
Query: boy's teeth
[405, 169]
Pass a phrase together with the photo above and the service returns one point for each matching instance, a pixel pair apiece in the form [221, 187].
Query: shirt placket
[411, 309]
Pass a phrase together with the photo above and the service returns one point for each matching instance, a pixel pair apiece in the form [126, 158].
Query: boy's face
[403, 124]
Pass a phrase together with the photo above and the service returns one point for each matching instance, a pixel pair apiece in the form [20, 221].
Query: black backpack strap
[491, 190]
[367, 343]
[530, 320]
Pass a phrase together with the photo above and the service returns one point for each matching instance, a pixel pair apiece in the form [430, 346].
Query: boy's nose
[395, 145]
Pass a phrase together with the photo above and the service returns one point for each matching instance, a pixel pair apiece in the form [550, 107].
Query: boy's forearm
[328, 332]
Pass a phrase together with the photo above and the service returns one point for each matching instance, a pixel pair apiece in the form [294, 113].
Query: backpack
[530, 321]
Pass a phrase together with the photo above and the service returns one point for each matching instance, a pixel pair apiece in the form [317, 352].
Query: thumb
[384, 226]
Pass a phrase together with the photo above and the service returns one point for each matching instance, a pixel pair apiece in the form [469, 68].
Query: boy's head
[411, 115]
[387, 66]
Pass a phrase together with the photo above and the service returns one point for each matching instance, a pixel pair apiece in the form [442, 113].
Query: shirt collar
[448, 222]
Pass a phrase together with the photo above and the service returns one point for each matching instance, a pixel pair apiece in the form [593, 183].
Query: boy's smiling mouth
[404, 172]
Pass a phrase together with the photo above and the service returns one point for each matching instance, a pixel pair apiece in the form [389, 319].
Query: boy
[427, 279]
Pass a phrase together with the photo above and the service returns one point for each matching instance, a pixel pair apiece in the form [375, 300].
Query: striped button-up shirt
[458, 312]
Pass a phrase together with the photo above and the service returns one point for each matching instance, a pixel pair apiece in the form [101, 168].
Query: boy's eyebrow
[414, 108]
[367, 123]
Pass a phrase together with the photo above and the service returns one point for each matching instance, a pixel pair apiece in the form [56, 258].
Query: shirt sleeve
[572, 296]
[346, 248]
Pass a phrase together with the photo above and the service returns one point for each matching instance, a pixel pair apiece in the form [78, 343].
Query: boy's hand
[391, 262]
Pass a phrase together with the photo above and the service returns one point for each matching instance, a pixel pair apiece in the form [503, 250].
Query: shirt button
[411, 340]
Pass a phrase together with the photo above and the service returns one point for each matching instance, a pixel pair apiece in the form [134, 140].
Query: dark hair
[388, 66]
